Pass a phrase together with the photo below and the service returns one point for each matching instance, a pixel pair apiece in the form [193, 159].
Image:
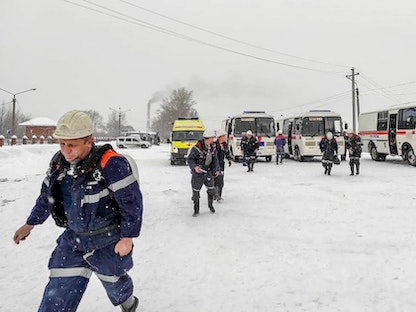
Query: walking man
[329, 148]
[249, 147]
[223, 153]
[280, 143]
[353, 145]
[93, 194]
[203, 162]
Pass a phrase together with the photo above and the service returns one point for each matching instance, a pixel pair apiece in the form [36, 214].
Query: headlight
[175, 149]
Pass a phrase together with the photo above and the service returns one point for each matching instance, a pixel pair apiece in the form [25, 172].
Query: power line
[326, 100]
[145, 24]
[382, 90]
[227, 37]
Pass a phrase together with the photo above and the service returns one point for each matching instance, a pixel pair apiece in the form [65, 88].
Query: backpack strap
[97, 156]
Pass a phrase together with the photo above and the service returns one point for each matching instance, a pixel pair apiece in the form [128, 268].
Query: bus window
[333, 124]
[407, 118]
[244, 124]
[265, 127]
[382, 118]
[313, 126]
[337, 126]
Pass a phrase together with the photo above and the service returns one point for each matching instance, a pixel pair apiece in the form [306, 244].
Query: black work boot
[210, 201]
[352, 167]
[195, 198]
[133, 308]
[196, 207]
[219, 194]
[357, 166]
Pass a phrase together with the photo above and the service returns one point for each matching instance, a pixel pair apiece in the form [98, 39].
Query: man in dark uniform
[249, 146]
[204, 165]
[93, 193]
[353, 145]
[223, 153]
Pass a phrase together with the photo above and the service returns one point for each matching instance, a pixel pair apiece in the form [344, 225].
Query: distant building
[40, 126]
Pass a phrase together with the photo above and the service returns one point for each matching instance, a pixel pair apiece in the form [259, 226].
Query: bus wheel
[269, 158]
[374, 153]
[172, 163]
[411, 157]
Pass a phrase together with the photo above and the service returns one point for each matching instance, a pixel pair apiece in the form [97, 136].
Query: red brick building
[40, 126]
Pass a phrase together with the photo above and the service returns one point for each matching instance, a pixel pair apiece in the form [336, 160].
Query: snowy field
[286, 238]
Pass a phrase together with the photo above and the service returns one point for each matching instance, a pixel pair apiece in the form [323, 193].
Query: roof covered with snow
[39, 121]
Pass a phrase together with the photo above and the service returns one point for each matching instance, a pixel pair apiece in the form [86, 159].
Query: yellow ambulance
[186, 131]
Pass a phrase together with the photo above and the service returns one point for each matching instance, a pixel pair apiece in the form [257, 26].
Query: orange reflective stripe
[106, 157]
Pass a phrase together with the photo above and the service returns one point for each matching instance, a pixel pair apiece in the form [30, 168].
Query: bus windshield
[319, 126]
[261, 126]
[187, 135]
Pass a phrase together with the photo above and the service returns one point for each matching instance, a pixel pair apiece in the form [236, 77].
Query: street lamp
[14, 105]
[119, 118]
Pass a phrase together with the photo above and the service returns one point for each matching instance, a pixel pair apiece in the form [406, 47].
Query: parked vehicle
[303, 133]
[131, 141]
[391, 131]
[261, 124]
[186, 131]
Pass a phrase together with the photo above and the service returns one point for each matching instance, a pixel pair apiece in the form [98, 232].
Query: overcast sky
[279, 56]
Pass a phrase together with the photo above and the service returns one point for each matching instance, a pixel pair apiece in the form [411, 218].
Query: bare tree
[116, 123]
[98, 122]
[6, 120]
[179, 104]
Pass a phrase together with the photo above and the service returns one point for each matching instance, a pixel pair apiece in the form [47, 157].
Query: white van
[131, 141]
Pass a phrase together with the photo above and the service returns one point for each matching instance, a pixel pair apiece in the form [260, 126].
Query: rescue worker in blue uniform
[329, 148]
[280, 143]
[354, 147]
[249, 147]
[223, 153]
[92, 193]
[203, 162]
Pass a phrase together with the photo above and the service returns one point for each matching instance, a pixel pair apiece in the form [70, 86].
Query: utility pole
[120, 115]
[354, 113]
[14, 106]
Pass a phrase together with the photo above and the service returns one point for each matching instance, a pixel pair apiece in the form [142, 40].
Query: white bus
[304, 132]
[390, 132]
[261, 124]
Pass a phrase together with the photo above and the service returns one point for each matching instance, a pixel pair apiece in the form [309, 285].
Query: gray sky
[78, 58]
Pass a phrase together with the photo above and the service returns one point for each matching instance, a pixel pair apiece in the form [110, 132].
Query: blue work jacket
[106, 201]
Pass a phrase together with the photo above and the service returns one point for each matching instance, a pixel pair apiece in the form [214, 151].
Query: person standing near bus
[203, 162]
[223, 153]
[280, 143]
[249, 146]
[329, 148]
[353, 145]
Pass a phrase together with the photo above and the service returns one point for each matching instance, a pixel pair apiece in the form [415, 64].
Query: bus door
[289, 138]
[392, 134]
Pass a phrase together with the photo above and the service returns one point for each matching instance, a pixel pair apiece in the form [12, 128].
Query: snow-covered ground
[286, 238]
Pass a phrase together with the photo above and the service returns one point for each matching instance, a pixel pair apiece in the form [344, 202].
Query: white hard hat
[209, 134]
[329, 135]
[279, 132]
[221, 133]
[74, 125]
[349, 131]
[249, 132]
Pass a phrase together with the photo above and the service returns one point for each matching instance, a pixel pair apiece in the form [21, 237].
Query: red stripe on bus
[400, 132]
[372, 132]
